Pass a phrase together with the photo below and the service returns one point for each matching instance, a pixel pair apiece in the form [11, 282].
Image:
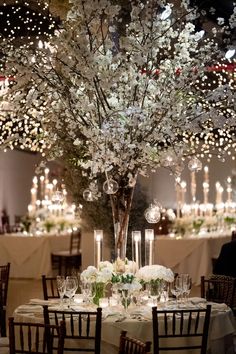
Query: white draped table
[220, 339]
[30, 256]
[192, 255]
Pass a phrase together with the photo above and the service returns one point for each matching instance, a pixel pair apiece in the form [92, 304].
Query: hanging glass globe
[110, 186]
[194, 164]
[58, 197]
[168, 159]
[152, 214]
[88, 195]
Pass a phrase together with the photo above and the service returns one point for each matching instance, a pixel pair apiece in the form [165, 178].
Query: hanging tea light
[88, 195]
[168, 159]
[153, 214]
[110, 186]
[194, 164]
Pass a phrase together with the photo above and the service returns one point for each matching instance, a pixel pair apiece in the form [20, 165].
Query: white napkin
[44, 302]
[29, 309]
[197, 300]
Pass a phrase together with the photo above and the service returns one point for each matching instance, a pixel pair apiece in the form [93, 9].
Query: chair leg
[3, 324]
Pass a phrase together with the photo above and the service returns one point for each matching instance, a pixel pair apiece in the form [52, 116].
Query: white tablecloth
[192, 255]
[220, 338]
[30, 256]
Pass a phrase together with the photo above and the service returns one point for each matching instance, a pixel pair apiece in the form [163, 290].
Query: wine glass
[176, 289]
[86, 290]
[187, 285]
[71, 287]
[61, 287]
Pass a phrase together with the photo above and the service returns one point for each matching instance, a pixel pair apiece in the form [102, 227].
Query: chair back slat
[35, 338]
[75, 241]
[82, 326]
[130, 345]
[49, 285]
[219, 288]
[175, 333]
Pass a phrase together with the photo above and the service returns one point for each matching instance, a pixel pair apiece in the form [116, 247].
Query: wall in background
[16, 173]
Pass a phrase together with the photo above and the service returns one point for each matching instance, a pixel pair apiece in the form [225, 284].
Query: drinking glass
[86, 290]
[61, 287]
[187, 284]
[71, 287]
[175, 288]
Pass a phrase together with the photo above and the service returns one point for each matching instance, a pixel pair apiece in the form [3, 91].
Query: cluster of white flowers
[106, 270]
[124, 266]
[118, 101]
[94, 275]
[155, 272]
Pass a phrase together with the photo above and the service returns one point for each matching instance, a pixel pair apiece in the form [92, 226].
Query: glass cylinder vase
[121, 205]
[98, 292]
[149, 246]
[136, 248]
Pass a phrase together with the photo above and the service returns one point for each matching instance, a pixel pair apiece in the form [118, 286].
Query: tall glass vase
[121, 205]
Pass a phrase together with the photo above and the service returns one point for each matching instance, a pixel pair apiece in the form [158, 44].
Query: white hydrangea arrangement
[155, 272]
[94, 275]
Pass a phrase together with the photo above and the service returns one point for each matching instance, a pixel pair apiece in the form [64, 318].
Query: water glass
[71, 287]
[86, 290]
[61, 287]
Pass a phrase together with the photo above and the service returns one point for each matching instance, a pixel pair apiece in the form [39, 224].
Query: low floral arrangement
[154, 272]
[121, 272]
[152, 276]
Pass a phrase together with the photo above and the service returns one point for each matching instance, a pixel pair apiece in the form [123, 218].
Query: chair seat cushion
[67, 253]
[4, 342]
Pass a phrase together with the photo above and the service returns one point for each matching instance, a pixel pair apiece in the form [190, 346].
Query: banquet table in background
[30, 256]
[192, 255]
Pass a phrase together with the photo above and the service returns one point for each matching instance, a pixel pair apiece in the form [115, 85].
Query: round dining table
[138, 322]
[30, 255]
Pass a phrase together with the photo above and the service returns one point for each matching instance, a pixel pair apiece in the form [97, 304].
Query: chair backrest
[75, 242]
[4, 280]
[49, 285]
[129, 345]
[219, 288]
[35, 338]
[178, 330]
[81, 326]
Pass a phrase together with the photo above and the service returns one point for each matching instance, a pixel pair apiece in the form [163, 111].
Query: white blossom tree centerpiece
[119, 85]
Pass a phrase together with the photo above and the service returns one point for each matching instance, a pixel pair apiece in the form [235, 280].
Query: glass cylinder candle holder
[98, 240]
[149, 246]
[136, 248]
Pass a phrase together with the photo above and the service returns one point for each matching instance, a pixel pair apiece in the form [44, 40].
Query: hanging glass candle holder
[152, 214]
[110, 186]
[88, 195]
[195, 164]
[168, 159]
